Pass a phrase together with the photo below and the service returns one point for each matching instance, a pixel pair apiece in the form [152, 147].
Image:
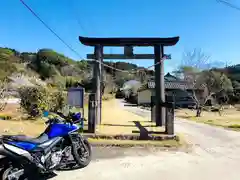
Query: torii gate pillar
[128, 43]
[160, 112]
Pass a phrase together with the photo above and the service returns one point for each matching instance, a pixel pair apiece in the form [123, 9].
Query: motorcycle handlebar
[65, 118]
[49, 121]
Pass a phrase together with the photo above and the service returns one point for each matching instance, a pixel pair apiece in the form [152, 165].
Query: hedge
[34, 100]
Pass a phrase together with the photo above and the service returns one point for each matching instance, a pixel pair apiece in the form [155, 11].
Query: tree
[236, 85]
[130, 88]
[217, 84]
[122, 77]
[200, 60]
[47, 70]
[108, 83]
[6, 63]
[196, 70]
[3, 91]
[54, 68]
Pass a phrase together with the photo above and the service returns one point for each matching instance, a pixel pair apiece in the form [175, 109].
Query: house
[176, 90]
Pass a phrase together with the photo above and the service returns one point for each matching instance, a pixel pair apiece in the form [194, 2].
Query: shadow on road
[144, 133]
[131, 105]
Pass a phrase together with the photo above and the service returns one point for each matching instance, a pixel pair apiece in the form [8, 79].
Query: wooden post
[97, 81]
[169, 125]
[159, 86]
[153, 108]
[92, 113]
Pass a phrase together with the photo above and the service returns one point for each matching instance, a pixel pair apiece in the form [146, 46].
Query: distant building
[176, 90]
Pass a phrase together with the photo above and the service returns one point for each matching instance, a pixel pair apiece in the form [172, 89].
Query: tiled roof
[171, 82]
[169, 77]
[170, 85]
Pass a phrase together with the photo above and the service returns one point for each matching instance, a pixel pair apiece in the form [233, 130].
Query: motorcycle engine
[54, 159]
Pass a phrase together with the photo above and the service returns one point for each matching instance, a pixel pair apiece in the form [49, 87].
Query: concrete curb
[129, 144]
[149, 137]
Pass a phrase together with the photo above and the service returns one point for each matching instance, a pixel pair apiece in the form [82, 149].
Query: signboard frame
[75, 97]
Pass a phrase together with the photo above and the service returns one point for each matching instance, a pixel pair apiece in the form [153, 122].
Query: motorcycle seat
[22, 138]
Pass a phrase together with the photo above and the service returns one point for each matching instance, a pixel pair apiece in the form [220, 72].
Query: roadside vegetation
[41, 79]
[229, 117]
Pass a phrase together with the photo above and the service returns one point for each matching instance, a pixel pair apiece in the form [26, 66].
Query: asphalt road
[100, 153]
[216, 155]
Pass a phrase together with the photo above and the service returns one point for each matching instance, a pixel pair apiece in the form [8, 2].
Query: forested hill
[58, 70]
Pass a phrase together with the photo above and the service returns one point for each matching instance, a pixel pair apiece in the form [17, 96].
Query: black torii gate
[128, 44]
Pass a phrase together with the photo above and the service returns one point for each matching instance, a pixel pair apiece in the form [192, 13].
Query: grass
[115, 122]
[5, 117]
[30, 128]
[230, 118]
[125, 129]
[131, 127]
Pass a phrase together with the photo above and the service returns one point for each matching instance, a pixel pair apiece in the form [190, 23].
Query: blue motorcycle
[60, 145]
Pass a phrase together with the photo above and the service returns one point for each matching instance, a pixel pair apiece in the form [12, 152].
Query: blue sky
[204, 24]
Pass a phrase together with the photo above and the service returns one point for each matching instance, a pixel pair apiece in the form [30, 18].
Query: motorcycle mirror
[45, 113]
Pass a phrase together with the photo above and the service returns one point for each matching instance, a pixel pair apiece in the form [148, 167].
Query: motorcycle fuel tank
[61, 130]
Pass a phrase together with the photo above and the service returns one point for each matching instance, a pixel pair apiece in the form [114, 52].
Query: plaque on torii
[129, 44]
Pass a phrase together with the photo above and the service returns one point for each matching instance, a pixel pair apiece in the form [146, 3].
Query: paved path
[216, 156]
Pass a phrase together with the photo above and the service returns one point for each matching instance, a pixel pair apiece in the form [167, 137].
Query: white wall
[144, 96]
[10, 100]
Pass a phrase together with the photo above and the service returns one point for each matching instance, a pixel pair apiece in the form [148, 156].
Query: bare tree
[200, 60]
[196, 59]
[109, 83]
[197, 70]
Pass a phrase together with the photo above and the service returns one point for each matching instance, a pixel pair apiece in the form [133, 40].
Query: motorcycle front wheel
[82, 155]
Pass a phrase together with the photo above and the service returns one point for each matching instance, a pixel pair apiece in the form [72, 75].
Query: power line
[50, 29]
[78, 19]
[76, 16]
[61, 39]
[73, 50]
[229, 4]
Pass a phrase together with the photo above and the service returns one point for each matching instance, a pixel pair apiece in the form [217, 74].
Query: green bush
[36, 99]
[57, 100]
[57, 82]
[33, 99]
[5, 117]
[71, 82]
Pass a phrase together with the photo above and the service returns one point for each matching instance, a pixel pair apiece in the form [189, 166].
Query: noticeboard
[76, 97]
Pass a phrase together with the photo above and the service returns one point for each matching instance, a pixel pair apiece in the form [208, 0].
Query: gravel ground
[216, 155]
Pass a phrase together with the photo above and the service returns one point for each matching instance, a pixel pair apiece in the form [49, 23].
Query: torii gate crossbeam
[157, 43]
